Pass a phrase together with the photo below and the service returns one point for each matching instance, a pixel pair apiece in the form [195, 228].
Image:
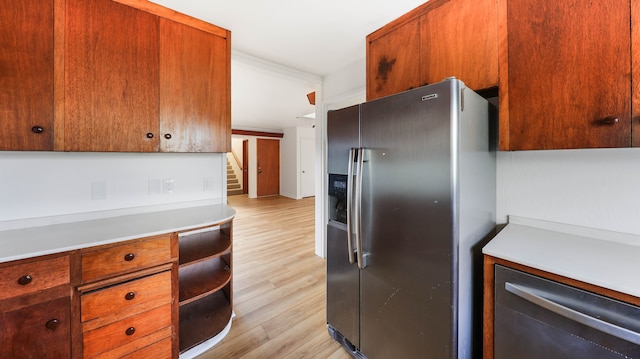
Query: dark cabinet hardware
[130, 296]
[149, 135]
[25, 279]
[130, 331]
[37, 129]
[52, 324]
[129, 257]
[167, 136]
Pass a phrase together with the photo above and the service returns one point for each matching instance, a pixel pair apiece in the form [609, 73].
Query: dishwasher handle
[576, 316]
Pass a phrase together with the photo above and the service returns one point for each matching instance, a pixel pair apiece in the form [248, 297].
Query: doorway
[268, 167]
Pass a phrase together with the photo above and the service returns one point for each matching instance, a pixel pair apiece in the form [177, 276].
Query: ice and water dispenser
[338, 198]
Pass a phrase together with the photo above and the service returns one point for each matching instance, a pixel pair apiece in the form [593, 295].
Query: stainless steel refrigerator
[411, 197]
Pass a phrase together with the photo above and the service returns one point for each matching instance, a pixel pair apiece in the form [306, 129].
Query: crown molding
[256, 62]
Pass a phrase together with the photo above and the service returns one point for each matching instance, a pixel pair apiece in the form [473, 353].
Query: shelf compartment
[202, 278]
[202, 319]
[198, 246]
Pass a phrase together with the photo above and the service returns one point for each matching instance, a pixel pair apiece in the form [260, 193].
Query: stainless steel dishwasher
[537, 318]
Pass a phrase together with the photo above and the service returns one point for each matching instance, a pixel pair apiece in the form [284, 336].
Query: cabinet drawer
[112, 261]
[126, 331]
[32, 277]
[156, 345]
[161, 349]
[126, 299]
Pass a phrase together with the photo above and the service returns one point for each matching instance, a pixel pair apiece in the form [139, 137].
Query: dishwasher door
[538, 318]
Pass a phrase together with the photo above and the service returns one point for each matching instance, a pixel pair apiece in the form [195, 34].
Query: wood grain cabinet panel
[110, 261]
[126, 331]
[122, 300]
[460, 38]
[195, 82]
[111, 77]
[566, 80]
[42, 330]
[33, 276]
[437, 40]
[26, 75]
[392, 60]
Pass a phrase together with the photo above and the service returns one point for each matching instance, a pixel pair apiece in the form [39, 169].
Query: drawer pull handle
[149, 135]
[535, 297]
[610, 120]
[167, 136]
[52, 324]
[129, 257]
[25, 279]
[37, 129]
[130, 296]
[130, 331]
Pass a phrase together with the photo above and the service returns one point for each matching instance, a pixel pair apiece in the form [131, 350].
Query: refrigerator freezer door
[343, 134]
[343, 310]
[407, 304]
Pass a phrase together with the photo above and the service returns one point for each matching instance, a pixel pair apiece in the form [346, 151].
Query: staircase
[233, 185]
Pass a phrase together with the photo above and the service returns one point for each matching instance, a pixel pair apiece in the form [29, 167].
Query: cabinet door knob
[149, 135]
[167, 136]
[25, 279]
[52, 324]
[130, 296]
[610, 120]
[37, 129]
[129, 257]
[130, 330]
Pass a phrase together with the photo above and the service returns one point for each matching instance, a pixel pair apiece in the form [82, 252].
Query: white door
[307, 167]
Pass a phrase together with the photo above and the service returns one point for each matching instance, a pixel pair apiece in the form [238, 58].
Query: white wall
[595, 188]
[38, 188]
[289, 163]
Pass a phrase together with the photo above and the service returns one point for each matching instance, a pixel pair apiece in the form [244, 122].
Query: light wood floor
[278, 284]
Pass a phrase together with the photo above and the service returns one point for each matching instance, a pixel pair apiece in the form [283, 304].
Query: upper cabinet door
[393, 60]
[565, 74]
[195, 82]
[460, 38]
[111, 77]
[26, 75]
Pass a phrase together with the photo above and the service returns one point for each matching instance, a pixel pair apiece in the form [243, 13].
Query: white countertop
[35, 241]
[603, 258]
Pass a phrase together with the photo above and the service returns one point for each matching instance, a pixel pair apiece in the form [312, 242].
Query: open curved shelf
[200, 246]
[202, 278]
[203, 319]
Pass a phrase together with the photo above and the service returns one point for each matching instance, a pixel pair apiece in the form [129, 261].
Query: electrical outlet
[168, 186]
[207, 184]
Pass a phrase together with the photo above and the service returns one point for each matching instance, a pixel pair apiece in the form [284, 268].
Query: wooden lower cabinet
[41, 330]
[132, 299]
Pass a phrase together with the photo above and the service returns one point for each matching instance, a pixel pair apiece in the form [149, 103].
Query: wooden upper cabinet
[111, 77]
[460, 38]
[195, 83]
[565, 74]
[26, 74]
[437, 40]
[392, 60]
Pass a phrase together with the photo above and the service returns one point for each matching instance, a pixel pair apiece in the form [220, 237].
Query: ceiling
[281, 49]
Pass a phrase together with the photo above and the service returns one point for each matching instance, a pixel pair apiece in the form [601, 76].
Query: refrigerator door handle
[350, 213]
[359, 248]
